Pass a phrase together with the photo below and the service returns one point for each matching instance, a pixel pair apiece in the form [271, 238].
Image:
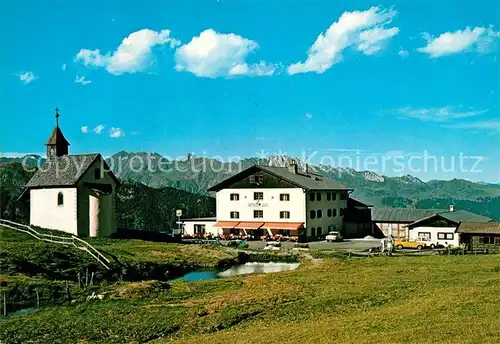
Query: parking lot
[354, 245]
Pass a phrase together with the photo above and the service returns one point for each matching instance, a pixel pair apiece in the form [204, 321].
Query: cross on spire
[57, 116]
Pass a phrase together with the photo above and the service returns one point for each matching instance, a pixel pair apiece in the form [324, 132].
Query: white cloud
[366, 30]
[442, 114]
[213, 54]
[258, 69]
[134, 54]
[260, 138]
[403, 53]
[82, 81]
[493, 125]
[134, 133]
[64, 67]
[480, 39]
[116, 132]
[309, 115]
[27, 77]
[371, 41]
[84, 129]
[98, 129]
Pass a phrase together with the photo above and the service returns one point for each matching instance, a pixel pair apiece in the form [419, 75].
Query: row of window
[256, 179]
[258, 196]
[316, 231]
[441, 235]
[313, 214]
[489, 240]
[259, 214]
[445, 236]
[330, 196]
[318, 214]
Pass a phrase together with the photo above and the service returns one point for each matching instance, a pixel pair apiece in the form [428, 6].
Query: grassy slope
[448, 299]
[147, 251]
[434, 299]
[27, 264]
[21, 253]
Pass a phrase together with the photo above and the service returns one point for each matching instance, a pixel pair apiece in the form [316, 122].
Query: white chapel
[73, 193]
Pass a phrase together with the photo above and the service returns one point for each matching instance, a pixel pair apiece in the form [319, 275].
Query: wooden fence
[72, 241]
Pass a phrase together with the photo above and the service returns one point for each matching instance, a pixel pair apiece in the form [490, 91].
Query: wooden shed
[480, 235]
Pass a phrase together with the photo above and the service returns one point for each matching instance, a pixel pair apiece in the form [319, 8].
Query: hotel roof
[300, 179]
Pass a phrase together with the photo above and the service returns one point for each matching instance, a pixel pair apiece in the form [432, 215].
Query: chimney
[307, 168]
[292, 167]
[452, 207]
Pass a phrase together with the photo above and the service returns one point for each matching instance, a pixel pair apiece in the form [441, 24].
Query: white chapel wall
[46, 213]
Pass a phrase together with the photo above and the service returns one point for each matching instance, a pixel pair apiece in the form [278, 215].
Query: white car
[273, 246]
[428, 242]
[333, 236]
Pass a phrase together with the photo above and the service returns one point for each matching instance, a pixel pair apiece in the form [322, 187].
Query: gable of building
[260, 179]
[277, 177]
[464, 216]
[66, 171]
[451, 218]
[433, 221]
[97, 175]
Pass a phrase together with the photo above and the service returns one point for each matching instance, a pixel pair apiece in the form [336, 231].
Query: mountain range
[196, 174]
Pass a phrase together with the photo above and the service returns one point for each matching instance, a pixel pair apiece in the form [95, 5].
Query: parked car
[405, 243]
[333, 236]
[273, 246]
[429, 243]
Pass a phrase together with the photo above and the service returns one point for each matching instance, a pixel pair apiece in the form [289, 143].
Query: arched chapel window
[60, 198]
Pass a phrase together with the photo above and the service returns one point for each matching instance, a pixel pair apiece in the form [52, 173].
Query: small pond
[197, 275]
[243, 269]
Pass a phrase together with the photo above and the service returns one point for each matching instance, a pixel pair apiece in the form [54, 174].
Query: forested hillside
[145, 208]
[138, 206]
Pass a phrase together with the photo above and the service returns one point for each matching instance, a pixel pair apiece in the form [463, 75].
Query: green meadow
[428, 299]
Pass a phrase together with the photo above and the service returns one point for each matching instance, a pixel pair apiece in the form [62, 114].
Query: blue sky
[233, 78]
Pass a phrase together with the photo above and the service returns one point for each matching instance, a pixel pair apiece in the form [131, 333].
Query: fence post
[92, 278]
[37, 298]
[78, 276]
[68, 292]
[86, 277]
[4, 305]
